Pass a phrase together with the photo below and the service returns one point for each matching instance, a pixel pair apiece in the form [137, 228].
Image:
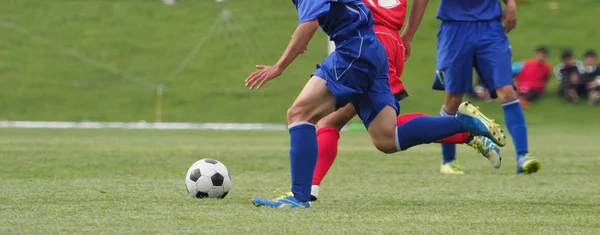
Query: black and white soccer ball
[208, 178]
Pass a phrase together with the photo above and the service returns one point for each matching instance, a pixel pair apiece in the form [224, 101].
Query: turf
[103, 60]
[132, 182]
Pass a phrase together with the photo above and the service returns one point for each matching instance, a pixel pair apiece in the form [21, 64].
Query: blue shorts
[357, 72]
[462, 46]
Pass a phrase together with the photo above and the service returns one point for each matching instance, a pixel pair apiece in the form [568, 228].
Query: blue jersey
[469, 10]
[339, 19]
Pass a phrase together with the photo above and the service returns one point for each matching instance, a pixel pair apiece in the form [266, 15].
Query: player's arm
[509, 15]
[309, 12]
[300, 39]
[414, 20]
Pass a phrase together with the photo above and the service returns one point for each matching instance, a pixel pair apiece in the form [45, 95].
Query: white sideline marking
[145, 125]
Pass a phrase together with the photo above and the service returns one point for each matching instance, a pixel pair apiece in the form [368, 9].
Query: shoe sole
[496, 161]
[531, 166]
[494, 132]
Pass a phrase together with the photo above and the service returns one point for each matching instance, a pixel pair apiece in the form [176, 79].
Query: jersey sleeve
[311, 9]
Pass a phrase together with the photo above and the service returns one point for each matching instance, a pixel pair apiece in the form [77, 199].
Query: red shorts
[396, 53]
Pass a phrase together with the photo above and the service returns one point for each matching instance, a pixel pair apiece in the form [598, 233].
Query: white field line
[144, 125]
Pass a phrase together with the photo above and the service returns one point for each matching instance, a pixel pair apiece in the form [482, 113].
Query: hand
[264, 74]
[592, 85]
[509, 16]
[406, 43]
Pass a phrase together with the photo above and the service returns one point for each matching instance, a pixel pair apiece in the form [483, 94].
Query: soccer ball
[208, 178]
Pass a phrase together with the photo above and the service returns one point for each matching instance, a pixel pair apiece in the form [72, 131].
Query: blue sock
[515, 122]
[303, 158]
[448, 150]
[425, 129]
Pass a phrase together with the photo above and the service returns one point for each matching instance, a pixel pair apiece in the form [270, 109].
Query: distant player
[356, 72]
[389, 18]
[472, 34]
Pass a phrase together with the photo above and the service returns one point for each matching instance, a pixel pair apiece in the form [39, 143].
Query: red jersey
[388, 13]
[533, 76]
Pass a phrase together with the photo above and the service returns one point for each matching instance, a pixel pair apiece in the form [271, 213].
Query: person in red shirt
[532, 80]
[389, 16]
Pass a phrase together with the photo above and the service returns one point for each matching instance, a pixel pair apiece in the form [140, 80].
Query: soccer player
[356, 72]
[472, 34]
[389, 19]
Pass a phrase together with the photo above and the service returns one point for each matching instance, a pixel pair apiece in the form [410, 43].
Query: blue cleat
[527, 165]
[288, 200]
[479, 125]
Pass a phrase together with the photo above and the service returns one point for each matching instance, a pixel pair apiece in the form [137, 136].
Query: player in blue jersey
[473, 34]
[355, 73]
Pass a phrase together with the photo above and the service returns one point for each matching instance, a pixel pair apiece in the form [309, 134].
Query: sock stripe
[295, 124]
[510, 102]
[397, 140]
[445, 113]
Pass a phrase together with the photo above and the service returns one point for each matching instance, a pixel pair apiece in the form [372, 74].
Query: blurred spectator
[533, 76]
[591, 76]
[569, 74]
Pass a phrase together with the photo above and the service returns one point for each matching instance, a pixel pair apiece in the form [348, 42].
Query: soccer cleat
[488, 149]
[451, 168]
[314, 192]
[478, 124]
[287, 200]
[527, 165]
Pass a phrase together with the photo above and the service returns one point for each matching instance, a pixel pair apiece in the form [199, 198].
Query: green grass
[132, 182]
[146, 41]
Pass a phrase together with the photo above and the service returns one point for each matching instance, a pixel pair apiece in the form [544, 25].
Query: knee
[506, 93]
[298, 113]
[385, 145]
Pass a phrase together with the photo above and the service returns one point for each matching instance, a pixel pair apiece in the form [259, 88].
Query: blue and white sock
[448, 150]
[426, 129]
[303, 158]
[515, 123]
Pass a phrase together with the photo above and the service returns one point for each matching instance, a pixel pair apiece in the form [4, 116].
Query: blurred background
[186, 61]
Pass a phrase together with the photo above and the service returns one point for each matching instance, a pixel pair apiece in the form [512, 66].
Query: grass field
[98, 60]
[101, 60]
[132, 182]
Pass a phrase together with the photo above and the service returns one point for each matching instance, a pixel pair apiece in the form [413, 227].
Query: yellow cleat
[479, 125]
[451, 168]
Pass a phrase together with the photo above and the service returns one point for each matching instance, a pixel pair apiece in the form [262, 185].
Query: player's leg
[493, 62]
[314, 102]
[328, 133]
[454, 65]
[460, 138]
[486, 147]
[378, 111]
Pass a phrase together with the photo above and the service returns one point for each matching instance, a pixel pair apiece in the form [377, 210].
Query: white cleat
[488, 149]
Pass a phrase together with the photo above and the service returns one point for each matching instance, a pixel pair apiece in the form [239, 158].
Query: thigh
[493, 57]
[339, 118]
[455, 54]
[314, 101]
[376, 99]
